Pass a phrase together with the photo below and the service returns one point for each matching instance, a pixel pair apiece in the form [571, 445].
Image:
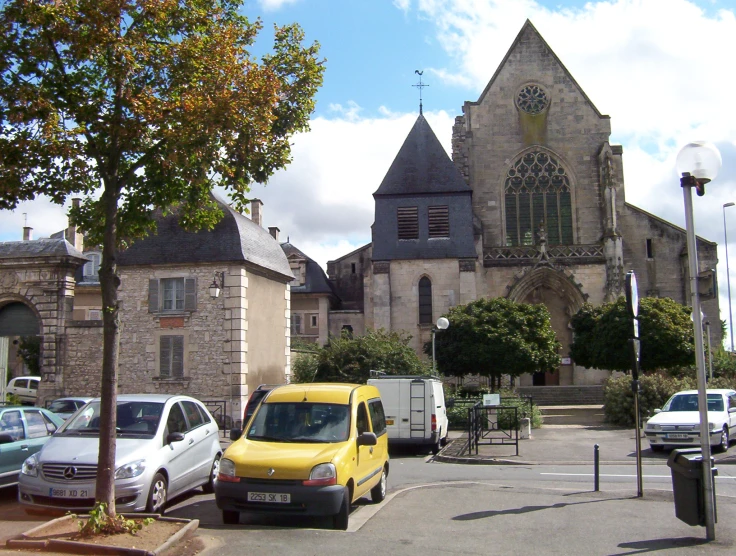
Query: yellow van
[310, 449]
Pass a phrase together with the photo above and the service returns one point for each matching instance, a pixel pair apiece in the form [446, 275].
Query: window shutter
[177, 356]
[153, 306]
[190, 294]
[439, 221]
[408, 222]
[165, 359]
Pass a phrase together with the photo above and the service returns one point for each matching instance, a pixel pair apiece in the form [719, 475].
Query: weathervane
[420, 86]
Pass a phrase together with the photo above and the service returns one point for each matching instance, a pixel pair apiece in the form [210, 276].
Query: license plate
[70, 493]
[389, 421]
[269, 497]
[677, 436]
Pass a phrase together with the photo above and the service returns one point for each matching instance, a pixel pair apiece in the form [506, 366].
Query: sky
[662, 69]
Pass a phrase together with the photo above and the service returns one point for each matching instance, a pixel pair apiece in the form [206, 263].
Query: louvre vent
[439, 222]
[408, 220]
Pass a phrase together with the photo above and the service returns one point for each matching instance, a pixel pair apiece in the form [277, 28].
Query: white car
[678, 422]
[166, 445]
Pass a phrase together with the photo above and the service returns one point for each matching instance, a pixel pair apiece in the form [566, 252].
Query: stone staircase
[568, 405]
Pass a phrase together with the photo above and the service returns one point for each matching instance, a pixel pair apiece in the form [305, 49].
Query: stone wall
[83, 359]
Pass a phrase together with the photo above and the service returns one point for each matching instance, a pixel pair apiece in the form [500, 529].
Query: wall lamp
[218, 283]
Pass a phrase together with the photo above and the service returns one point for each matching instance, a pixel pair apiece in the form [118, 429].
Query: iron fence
[492, 425]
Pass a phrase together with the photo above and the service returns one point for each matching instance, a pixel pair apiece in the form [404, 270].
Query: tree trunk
[109, 282]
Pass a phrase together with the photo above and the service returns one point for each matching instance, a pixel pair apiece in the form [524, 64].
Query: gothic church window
[439, 221]
[532, 99]
[425, 301]
[537, 191]
[408, 222]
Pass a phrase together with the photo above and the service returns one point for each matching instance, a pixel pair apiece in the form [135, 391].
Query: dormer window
[298, 269]
[91, 269]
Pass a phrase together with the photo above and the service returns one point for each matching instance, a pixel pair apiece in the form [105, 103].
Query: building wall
[83, 348]
[347, 274]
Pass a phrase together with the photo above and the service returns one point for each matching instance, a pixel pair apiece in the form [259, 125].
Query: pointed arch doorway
[563, 298]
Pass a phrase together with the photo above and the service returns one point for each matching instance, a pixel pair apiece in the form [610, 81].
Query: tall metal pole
[692, 260]
[434, 361]
[728, 273]
[710, 351]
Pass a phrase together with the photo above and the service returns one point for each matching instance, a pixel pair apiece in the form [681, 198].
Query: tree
[139, 105]
[350, 359]
[602, 333]
[495, 337]
[29, 349]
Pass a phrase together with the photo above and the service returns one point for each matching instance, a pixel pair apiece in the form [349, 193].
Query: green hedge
[656, 389]
[458, 414]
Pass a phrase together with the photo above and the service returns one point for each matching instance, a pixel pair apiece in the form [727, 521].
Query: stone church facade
[531, 207]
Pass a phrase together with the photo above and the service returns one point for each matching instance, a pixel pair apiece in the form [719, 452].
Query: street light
[442, 324]
[698, 163]
[728, 274]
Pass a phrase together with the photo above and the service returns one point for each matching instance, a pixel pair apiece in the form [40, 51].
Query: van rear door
[418, 409]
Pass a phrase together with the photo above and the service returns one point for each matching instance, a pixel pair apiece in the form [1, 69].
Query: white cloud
[403, 5]
[273, 5]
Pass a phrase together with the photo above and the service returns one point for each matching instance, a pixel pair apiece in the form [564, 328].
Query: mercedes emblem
[70, 472]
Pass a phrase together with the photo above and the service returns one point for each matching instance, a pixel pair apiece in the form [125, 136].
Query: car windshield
[134, 418]
[689, 402]
[300, 422]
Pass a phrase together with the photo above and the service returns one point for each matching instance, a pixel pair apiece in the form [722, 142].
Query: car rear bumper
[304, 500]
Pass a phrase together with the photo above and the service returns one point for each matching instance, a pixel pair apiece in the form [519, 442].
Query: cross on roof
[420, 86]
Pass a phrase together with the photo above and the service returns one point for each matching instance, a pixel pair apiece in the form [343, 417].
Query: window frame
[424, 300]
[156, 294]
[169, 341]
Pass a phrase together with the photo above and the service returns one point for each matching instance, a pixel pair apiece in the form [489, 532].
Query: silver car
[166, 445]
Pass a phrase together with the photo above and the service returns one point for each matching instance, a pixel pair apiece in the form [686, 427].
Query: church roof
[39, 248]
[315, 279]
[234, 239]
[422, 166]
[529, 28]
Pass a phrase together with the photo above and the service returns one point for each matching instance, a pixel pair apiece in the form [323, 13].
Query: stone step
[582, 415]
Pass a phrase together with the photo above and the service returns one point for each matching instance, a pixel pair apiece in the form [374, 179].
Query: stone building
[203, 313]
[531, 207]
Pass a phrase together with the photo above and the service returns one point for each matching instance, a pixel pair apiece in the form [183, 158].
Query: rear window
[301, 422]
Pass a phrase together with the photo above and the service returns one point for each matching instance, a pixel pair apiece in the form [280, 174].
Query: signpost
[632, 305]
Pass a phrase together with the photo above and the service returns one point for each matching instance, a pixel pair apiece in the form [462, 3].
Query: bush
[458, 414]
[304, 367]
[656, 389]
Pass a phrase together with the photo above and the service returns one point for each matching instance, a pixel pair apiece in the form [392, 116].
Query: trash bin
[687, 485]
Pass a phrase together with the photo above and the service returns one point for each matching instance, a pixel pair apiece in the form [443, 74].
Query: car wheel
[157, 495]
[656, 448]
[723, 446]
[209, 486]
[378, 492]
[436, 448]
[230, 517]
[340, 519]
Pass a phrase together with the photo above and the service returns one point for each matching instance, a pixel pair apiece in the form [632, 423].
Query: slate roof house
[531, 207]
[176, 337]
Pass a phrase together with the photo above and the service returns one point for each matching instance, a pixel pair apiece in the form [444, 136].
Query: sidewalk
[563, 445]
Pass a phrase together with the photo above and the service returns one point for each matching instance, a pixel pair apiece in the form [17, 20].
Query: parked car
[308, 450]
[166, 445]
[678, 422]
[25, 388]
[23, 431]
[65, 407]
[415, 410]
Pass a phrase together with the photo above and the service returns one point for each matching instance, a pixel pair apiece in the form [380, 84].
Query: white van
[415, 410]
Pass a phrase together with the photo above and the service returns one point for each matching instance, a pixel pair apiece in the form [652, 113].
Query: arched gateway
[36, 297]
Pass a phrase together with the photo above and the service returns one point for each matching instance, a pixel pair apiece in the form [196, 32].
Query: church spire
[420, 86]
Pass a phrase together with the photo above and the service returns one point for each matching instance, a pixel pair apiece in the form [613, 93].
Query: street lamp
[728, 274]
[698, 163]
[442, 324]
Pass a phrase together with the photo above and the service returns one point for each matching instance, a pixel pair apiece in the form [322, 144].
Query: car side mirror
[450, 403]
[367, 439]
[732, 409]
[174, 437]
[6, 439]
[235, 434]
[657, 411]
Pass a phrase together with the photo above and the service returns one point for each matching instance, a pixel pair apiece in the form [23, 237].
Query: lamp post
[442, 324]
[728, 273]
[698, 163]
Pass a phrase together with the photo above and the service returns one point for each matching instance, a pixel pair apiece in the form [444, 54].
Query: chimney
[27, 233]
[274, 231]
[256, 211]
[72, 235]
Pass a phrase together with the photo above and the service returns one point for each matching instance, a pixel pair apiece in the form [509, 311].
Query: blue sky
[662, 69]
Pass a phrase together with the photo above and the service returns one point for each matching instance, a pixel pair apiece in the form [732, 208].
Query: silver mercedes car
[166, 445]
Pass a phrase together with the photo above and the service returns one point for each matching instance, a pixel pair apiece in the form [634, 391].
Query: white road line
[614, 475]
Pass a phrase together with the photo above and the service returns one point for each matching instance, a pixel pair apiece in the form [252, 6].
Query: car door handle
[191, 441]
[206, 431]
[24, 447]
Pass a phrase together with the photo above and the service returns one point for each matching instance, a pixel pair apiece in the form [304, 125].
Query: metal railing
[492, 425]
[218, 409]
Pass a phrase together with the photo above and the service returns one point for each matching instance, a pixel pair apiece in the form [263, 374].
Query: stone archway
[17, 321]
[563, 298]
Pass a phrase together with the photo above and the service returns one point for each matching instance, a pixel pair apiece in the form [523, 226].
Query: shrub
[458, 414]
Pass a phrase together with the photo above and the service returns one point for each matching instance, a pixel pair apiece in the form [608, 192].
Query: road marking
[614, 475]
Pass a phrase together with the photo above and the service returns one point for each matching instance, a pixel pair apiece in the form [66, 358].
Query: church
[530, 207]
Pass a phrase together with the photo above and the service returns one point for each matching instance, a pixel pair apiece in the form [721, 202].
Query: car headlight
[653, 427]
[323, 474]
[712, 427]
[226, 473]
[30, 466]
[130, 470]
